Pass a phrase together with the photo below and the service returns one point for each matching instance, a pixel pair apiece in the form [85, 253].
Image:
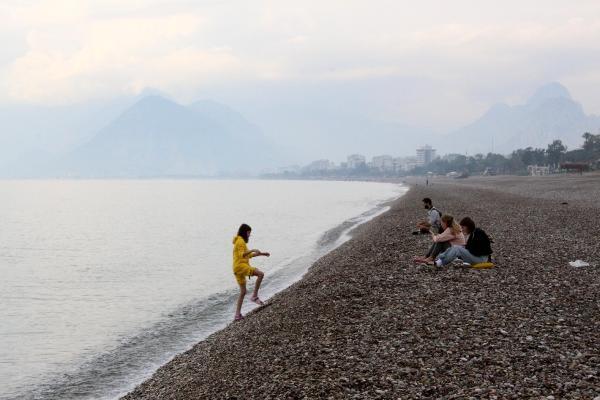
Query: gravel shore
[365, 322]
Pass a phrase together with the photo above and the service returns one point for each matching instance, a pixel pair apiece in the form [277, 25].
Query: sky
[433, 64]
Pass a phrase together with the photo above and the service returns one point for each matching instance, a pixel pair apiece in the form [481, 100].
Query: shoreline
[364, 322]
[114, 370]
[328, 242]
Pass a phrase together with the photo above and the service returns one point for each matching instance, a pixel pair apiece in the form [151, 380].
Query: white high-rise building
[425, 155]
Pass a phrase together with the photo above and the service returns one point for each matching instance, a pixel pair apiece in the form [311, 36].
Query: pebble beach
[366, 322]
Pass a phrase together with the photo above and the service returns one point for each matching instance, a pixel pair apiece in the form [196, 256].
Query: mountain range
[153, 136]
[158, 137]
[551, 113]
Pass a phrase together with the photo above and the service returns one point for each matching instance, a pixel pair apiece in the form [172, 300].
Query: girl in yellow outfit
[242, 268]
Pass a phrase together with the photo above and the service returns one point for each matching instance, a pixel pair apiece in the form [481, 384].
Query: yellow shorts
[241, 272]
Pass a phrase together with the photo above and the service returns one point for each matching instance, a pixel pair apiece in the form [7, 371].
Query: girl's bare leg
[238, 308]
[259, 277]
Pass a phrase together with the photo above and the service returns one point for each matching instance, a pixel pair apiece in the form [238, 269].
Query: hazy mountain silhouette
[549, 114]
[150, 135]
[32, 137]
[158, 137]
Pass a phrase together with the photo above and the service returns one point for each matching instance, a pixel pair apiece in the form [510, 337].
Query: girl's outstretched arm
[255, 253]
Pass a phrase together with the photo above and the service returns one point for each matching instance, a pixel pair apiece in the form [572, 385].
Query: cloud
[54, 12]
[111, 56]
[461, 52]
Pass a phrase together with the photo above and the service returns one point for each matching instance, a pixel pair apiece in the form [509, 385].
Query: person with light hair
[451, 236]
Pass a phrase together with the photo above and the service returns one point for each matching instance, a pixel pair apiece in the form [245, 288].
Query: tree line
[554, 155]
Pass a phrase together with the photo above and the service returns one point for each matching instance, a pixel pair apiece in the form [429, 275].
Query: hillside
[158, 137]
[549, 114]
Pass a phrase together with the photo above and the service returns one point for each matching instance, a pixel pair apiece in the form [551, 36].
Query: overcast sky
[437, 64]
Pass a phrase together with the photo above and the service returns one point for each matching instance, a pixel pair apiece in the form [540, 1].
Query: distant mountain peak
[154, 98]
[157, 136]
[547, 92]
[149, 91]
[153, 104]
[550, 114]
[213, 109]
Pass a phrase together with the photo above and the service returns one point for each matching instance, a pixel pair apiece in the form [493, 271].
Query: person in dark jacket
[477, 250]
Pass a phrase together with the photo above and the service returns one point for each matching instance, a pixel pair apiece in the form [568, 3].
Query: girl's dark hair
[243, 231]
[427, 201]
[468, 222]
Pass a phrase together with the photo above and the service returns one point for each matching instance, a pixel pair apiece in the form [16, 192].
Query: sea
[104, 281]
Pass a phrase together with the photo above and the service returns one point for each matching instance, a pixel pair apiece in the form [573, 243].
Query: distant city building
[356, 161]
[425, 155]
[320, 165]
[383, 163]
[406, 163]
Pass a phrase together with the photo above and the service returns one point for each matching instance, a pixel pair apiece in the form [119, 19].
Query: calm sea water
[104, 281]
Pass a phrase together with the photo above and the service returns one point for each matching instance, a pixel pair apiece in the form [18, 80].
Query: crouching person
[477, 250]
[433, 222]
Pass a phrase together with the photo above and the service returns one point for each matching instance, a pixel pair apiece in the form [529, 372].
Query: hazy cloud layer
[442, 63]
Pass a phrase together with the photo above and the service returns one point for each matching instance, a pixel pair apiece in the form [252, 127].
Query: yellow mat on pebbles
[483, 265]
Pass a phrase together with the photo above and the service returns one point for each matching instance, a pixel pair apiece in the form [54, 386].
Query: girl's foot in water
[238, 317]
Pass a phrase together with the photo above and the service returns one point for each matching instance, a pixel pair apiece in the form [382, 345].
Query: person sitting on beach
[477, 250]
[451, 236]
[432, 223]
[242, 268]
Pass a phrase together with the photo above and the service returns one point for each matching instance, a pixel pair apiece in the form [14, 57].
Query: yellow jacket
[239, 248]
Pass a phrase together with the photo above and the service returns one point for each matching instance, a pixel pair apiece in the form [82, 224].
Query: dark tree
[555, 152]
[591, 144]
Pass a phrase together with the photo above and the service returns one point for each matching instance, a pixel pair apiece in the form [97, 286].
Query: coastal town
[357, 163]
[556, 158]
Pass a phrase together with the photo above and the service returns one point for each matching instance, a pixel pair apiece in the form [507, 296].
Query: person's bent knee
[242, 290]
[259, 273]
